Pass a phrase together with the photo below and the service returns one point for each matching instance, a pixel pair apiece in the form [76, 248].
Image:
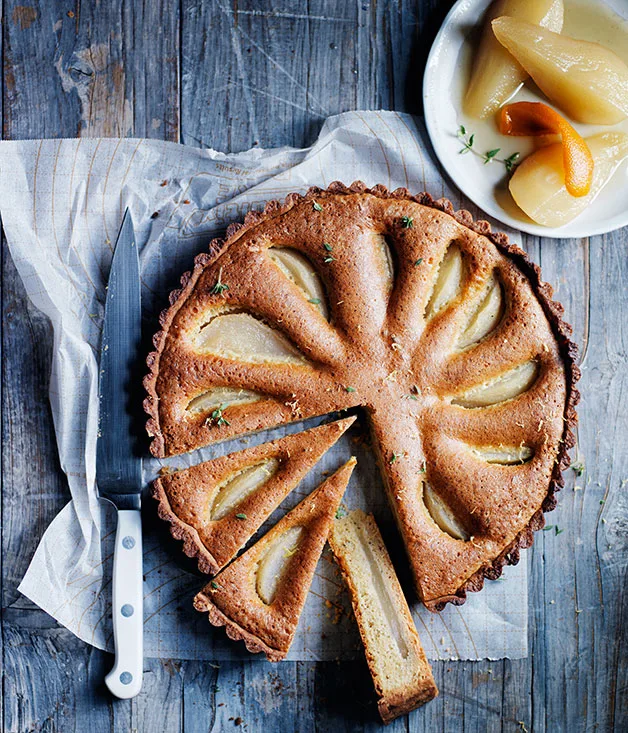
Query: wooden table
[231, 75]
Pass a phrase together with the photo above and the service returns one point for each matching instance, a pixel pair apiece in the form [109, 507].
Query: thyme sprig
[217, 417]
[219, 287]
[555, 527]
[468, 140]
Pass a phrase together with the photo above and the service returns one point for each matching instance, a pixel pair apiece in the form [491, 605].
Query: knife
[118, 469]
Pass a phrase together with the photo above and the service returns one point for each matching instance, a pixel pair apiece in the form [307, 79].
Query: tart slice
[401, 673]
[260, 596]
[217, 506]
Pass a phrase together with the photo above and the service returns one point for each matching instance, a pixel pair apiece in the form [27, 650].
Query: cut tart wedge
[401, 673]
[439, 328]
[260, 596]
[217, 506]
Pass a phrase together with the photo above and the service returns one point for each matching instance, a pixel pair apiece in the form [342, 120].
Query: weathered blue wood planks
[231, 75]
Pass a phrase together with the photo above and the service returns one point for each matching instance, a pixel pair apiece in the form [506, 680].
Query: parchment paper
[61, 203]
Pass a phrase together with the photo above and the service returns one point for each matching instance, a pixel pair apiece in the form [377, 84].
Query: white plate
[486, 185]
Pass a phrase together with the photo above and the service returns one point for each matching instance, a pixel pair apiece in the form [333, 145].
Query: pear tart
[439, 328]
[259, 597]
[216, 507]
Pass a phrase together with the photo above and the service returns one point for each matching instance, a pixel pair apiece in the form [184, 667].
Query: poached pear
[538, 185]
[587, 81]
[496, 76]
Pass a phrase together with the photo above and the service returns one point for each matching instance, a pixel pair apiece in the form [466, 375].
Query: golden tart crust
[185, 497]
[380, 351]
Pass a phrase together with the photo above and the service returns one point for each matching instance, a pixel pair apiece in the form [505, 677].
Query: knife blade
[118, 469]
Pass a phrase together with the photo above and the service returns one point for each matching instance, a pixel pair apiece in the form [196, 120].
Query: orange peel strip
[534, 119]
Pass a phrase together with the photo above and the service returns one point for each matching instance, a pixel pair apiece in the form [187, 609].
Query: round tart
[440, 329]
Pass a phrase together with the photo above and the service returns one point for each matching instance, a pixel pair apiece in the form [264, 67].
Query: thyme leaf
[577, 467]
[241, 516]
[466, 141]
[511, 161]
[490, 154]
[407, 222]
[316, 206]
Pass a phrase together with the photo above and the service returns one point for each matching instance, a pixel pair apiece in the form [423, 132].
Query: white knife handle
[125, 679]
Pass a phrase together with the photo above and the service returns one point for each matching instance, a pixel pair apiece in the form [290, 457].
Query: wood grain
[90, 69]
[231, 75]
